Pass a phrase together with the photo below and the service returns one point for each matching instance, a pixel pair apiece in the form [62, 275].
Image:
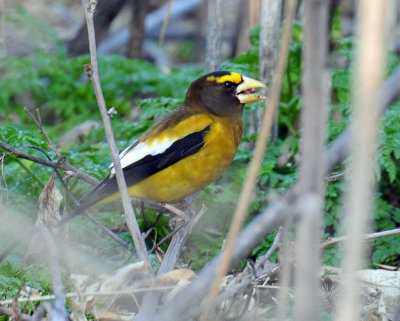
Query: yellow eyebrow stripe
[233, 77]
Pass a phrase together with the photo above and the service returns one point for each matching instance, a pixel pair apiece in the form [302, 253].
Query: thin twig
[65, 166]
[166, 238]
[110, 233]
[256, 161]
[179, 239]
[38, 122]
[93, 74]
[371, 236]
[275, 244]
[165, 23]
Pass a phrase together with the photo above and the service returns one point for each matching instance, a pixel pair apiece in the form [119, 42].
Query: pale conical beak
[246, 92]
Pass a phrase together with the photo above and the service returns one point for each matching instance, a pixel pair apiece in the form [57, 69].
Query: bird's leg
[175, 210]
[188, 206]
[185, 209]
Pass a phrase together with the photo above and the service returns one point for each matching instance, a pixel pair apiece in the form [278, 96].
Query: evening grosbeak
[186, 149]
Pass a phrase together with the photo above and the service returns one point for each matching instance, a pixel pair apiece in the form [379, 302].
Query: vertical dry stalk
[269, 48]
[254, 12]
[312, 167]
[369, 67]
[254, 167]
[213, 45]
[130, 218]
[165, 23]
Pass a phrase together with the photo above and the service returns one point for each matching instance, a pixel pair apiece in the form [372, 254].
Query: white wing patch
[141, 150]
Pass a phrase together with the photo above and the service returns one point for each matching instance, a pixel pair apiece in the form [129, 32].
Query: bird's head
[223, 93]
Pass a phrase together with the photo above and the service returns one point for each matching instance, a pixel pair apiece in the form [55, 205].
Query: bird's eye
[228, 84]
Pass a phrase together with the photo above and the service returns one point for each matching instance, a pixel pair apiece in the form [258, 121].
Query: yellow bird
[186, 149]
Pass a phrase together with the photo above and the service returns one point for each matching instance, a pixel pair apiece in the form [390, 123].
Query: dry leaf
[49, 204]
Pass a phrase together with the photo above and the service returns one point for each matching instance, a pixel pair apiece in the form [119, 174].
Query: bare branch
[275, 244]
[89, 8]
[371, 236]
[64, 165]
[38, 122]
[179, 239]
[165, 23]
[110, 233]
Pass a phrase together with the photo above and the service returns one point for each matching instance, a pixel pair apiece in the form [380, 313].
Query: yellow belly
[192, 173]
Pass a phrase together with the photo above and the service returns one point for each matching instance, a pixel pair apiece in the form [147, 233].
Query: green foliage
[16, 275]
[156, 107]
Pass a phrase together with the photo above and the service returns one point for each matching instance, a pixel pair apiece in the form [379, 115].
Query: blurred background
[164, 32]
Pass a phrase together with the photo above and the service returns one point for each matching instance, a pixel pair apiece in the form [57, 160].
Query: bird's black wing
[143, 168]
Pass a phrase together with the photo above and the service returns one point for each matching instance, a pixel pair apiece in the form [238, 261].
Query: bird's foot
[181, 215]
